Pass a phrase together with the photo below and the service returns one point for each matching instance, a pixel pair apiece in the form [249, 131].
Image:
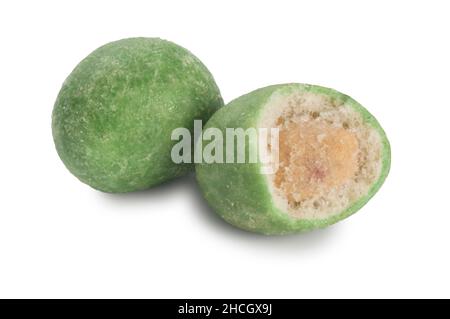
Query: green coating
[113, 118]
[240, 194]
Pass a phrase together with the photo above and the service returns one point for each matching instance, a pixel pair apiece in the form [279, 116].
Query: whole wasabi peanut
[332, 155]
[113, 118]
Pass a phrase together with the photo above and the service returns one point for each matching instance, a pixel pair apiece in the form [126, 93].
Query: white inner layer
[329, 157]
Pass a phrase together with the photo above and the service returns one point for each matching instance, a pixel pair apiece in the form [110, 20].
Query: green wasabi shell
[240, 194]
[113, 118]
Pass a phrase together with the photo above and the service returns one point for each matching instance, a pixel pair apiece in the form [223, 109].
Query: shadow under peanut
[163, 192]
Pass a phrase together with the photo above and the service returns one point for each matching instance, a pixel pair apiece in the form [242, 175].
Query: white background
[60, 238]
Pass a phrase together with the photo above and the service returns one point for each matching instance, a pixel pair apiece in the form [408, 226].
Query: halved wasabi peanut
[113, 118]
[332, 155]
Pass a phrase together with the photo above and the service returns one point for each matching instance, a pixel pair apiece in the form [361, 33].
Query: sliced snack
[330, 158]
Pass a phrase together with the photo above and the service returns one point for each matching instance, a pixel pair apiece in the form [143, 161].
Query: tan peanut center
[315, 157]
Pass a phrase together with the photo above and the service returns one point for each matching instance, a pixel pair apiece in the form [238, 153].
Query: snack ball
[113, 118]
[333, 156]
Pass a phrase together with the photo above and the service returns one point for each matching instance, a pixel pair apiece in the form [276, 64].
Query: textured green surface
[113, 118]
[240, 194]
